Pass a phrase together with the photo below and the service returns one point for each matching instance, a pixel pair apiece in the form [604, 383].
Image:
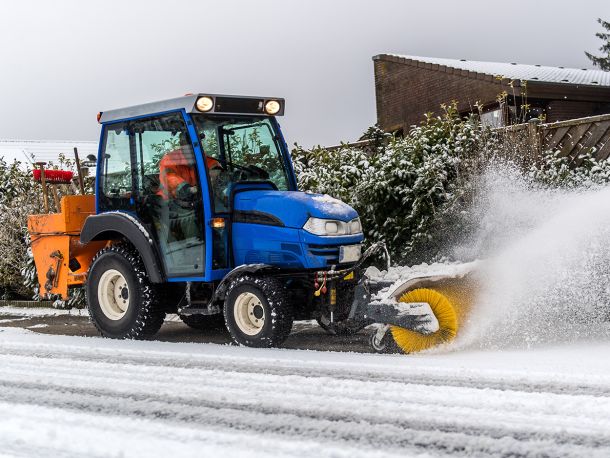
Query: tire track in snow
[289, 422]
[432, 376]
[388, 429]
[360, 406]
[136, 436]
[204, 382]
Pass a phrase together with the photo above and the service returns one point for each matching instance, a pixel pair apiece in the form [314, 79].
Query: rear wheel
[120, 298]
[257, 311]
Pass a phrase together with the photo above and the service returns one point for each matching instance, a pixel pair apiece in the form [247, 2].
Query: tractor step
[213, 310]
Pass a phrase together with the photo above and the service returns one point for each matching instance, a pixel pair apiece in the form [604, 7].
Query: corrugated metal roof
[45, 150]
[517, 71]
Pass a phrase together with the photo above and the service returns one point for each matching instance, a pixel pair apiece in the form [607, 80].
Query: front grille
[331, 253]
[254, 257]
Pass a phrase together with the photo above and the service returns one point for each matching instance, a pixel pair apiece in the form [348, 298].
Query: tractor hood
[293, 208]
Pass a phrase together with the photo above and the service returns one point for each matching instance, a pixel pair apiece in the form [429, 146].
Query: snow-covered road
[73, 396]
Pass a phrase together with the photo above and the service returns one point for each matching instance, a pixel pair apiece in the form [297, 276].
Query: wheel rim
[249, 314]
[113, 294]
[379, 343]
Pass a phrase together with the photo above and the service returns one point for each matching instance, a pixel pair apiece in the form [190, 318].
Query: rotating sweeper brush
[414, 312]
[411, 341]
[450, 293]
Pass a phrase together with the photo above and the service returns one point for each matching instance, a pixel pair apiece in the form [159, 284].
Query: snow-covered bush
[553, 169]
[21, 196]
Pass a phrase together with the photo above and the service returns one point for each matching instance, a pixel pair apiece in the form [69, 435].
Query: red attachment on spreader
[54, 176]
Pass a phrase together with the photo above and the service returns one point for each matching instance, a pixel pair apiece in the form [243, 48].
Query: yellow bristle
[445, 312]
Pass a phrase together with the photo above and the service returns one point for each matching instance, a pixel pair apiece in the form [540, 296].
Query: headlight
[331, 227]
[204, 103]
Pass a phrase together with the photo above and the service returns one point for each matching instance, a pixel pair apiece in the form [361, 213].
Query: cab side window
[116, 181]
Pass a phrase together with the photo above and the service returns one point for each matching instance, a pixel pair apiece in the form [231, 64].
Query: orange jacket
[212, 163]
[176, 171]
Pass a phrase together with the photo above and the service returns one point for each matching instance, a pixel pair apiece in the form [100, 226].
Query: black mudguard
[221, 289]
[118, 225]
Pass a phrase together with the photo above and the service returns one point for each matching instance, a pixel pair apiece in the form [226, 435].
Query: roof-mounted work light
[272, 107]
[205, 103]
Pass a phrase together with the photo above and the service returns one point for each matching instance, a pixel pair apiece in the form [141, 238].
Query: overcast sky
[61, 62]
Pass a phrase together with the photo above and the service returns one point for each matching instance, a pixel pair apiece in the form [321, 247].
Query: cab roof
[223, 104]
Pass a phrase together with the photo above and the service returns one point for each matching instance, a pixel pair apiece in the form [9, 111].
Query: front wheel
[257, 311]
[120, 298]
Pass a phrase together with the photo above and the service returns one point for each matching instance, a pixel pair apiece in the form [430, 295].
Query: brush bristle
[443, 309]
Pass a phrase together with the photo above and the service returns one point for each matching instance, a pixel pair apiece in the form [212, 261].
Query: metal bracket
[53, 274]
[416, 316]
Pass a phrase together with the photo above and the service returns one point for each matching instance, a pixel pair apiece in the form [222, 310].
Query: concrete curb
[36, 304]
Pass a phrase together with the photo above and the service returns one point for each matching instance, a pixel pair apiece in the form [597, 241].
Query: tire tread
[279, 303]
[150, 316]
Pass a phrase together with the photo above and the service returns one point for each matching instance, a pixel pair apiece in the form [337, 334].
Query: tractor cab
[211, 181]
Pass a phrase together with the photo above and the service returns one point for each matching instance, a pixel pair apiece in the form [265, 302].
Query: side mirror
[90, 162]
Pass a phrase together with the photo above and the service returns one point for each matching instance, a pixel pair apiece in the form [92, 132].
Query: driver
[177, 174]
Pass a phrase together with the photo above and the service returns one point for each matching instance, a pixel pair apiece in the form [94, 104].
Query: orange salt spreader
[61, 259]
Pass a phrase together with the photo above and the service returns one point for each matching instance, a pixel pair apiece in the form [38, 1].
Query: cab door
[165, 189]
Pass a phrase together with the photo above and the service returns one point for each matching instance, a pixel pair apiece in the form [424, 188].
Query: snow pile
[547, 277]
[407, 277]
[400, 274]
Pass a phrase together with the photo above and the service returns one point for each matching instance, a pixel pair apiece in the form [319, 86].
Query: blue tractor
[197, 212]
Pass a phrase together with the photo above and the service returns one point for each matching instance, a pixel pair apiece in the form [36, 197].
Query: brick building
[407, 87]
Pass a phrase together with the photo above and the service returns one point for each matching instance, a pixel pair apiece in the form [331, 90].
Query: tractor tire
[205, 322]
[121, 300]
[258, 312]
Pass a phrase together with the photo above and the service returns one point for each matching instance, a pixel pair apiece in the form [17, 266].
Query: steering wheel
[252, 170]
[261, 172]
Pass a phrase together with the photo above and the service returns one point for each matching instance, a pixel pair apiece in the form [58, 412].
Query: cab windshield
[240, 149]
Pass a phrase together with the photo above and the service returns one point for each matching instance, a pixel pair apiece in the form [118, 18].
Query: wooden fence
[573, 138]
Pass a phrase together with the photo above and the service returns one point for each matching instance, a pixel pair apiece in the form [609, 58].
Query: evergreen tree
[602, 61]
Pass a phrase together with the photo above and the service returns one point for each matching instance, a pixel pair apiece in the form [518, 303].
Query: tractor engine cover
[268, 228]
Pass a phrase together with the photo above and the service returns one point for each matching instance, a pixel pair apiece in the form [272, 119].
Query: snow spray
[546, 277]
